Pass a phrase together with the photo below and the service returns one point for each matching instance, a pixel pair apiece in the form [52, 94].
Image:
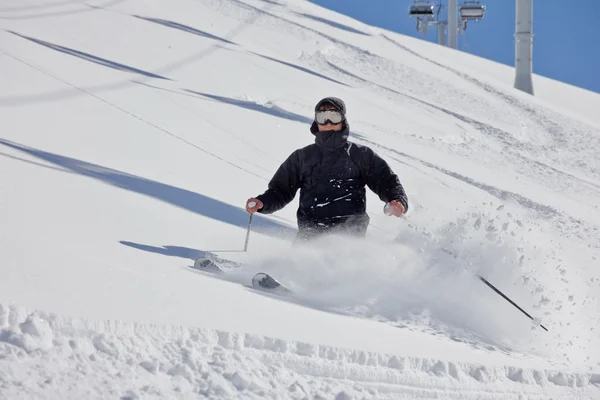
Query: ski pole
[251, 204]
[208, 256]
[495, 289]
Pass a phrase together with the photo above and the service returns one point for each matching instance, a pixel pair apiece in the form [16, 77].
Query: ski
[214, 264]
[266, 282]
[207, 265]
[260, 281]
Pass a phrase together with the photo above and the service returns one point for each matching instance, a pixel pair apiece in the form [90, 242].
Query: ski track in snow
[571, 143]
[566, 225]
[44, 356]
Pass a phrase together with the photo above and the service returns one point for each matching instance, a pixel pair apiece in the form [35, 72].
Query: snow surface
[132, 133]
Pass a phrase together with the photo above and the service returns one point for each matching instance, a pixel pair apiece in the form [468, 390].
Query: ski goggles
[333, 116]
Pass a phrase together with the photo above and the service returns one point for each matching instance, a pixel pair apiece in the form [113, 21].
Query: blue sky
[566, 42]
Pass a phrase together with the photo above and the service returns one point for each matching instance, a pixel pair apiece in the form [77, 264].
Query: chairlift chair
[471, 10]
[421, 9]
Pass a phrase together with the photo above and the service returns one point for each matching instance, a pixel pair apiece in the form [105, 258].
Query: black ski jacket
[331, 175]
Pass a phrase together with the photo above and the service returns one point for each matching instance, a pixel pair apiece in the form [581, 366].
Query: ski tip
[266, 282]
[258, 279]
[201, 262]
[205, 264]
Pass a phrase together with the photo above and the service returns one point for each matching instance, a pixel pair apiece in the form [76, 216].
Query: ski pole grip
[252, 204]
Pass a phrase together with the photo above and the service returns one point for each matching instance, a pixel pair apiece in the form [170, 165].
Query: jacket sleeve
[283, 187]
[380, 178]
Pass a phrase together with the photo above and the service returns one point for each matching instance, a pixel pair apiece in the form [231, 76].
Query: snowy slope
[134, 131]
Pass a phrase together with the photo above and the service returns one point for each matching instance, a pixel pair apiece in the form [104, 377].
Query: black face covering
[332, 140]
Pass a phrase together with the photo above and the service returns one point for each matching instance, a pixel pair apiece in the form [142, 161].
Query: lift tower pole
[441, 32]
[524, 46]
[452, 24]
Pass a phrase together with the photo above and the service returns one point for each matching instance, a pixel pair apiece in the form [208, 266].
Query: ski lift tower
[524, 46]
[425, 13]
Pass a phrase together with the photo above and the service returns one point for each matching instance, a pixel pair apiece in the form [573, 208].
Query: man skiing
[331, 175]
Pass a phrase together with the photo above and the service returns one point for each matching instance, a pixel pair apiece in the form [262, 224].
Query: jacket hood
[334, 101]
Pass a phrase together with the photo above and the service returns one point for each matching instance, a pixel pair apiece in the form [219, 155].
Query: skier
[331, 175]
